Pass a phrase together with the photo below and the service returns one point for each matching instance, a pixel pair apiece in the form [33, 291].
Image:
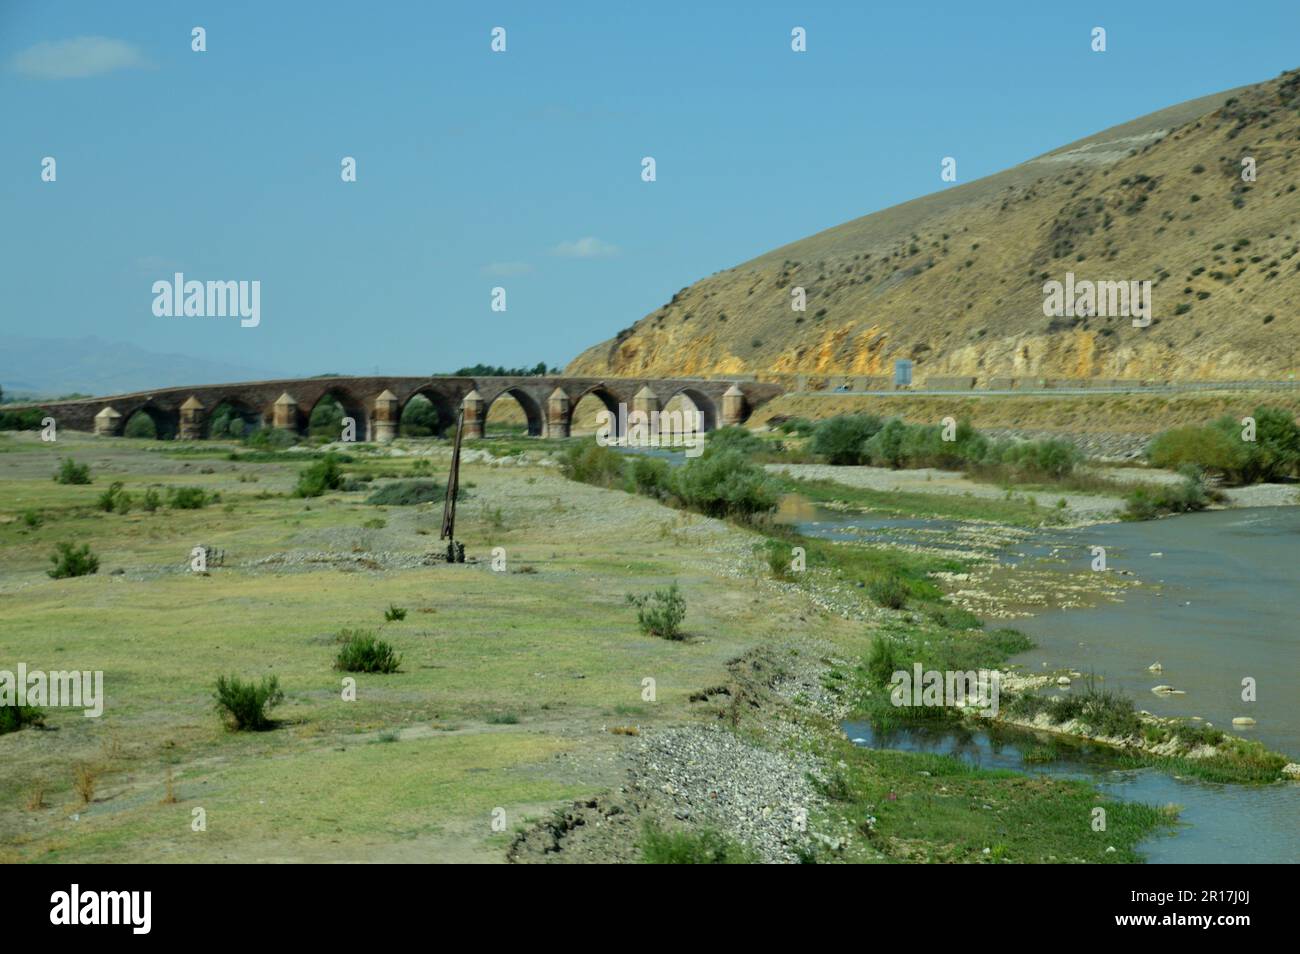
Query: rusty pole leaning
[455, 551]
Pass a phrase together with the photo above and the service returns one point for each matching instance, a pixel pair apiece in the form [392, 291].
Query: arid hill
[954, 280]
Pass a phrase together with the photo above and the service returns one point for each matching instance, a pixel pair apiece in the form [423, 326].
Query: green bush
[735, 438]
[883, 661]
[152, 501]
[1187, 496]
[25, 420]
[408, 493]
[799, 426]
[32, 519]
[725, 484]
[1208, 447]
[73, 561]
[269, 438]
[189, 498]
[706, 847]
[1219, 448]
[650, 476]
[115, 499]
[841, 439]
[592, 463]
[778, 559]
[885, 447]
[660, 613]
[70, 472]
[363, 652]
[889, 591]
[13, 718]
[394, 613]
[324, 475]
[1049, 459]
[245, 705]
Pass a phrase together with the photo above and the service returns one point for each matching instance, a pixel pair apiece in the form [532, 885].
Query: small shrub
[84, 779]
[70, 472]
[189, 498]
[115, 499]
[707, 847]
[660, 613]
[778, 559]
[650, 476]
[73, 561]
[503, 718]
[840, 439]
[725, 484]
[592, 463]
[32, 519]
[889, 591]
[13, 718]
[151, 501]
[362, 652]
[394, 613]
[324, 475]
[244, 705]
[408, 493]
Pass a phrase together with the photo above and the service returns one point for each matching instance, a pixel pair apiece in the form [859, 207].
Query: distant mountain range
[50, 367]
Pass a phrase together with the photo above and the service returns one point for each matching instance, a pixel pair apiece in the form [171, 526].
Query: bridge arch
[701, 402]
[233, 414]
[164, 423]
[351, 406]
[606, 397]
[445, 410]
[532, 409]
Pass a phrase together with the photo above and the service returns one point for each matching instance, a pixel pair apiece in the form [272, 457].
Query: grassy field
[509, 685]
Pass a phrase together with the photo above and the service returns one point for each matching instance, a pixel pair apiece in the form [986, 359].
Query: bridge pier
[191, 426]
[474, 415]
[733, 407]
[284, 414]
[385, 419]
[558, 408]
[108, 422]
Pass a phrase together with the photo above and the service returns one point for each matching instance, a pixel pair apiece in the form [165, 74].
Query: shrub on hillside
[660, 613]
[14, 717]
[245, 705]
[70, 472]
[72, 561]
[363, 652]
[322, 476]
[841, 439]
[189, 498]
[115, 499]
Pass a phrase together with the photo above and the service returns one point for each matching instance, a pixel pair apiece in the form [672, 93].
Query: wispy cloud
[589, 247]
[506, 269]
[77, 58]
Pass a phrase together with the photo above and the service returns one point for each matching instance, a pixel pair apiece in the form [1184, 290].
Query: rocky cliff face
[955, 280]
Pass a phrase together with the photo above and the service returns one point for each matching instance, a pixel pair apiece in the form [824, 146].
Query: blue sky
[520, 169]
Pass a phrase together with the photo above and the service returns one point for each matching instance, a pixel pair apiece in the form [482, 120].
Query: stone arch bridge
[376, 403]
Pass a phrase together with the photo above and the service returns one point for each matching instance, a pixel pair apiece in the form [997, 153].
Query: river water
[1220, 603]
